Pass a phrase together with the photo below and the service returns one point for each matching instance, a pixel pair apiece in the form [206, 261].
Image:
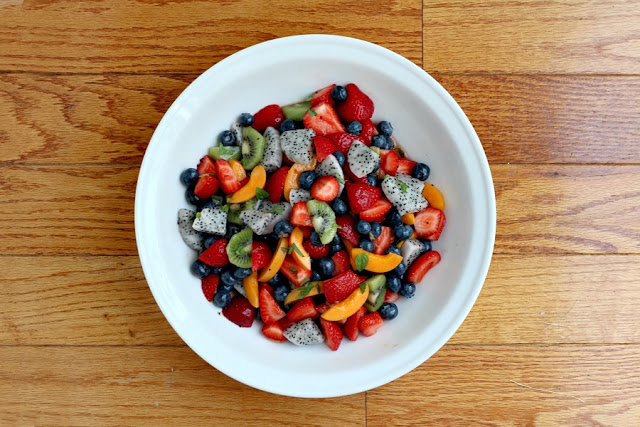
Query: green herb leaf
[340, 179]
[295, 248]
[307, 288]
[285, 249]
[386, 176]
[261, 194]
[305, 281]
[225, 208]
[277, 209]
[400, 152]
[363, 286]
[217, 199]
[198, 215]
[310, 97]
[293, 270]
[224, 151]
[361, 261]
[312, 112]
[403, 185]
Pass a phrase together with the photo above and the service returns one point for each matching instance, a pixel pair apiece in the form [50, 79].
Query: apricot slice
[250, 285]
[277, 259]
[433, 196]
[297, 293]
[299, 254]
[373, 262]
[348, 306]
[409, 218]
[238, 169]
[257, 180]
[291, 181]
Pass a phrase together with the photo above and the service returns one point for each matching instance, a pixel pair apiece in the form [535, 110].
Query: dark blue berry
[278, 279]
[227, 278]
[325, 267]
[395, 218]
[217, 270]
[210, 205]
[402, 231]
[245, 119]
[227, 138]
[400, 269]
[258, 317]
[222, 299]
[388, 310]
[363, 227]
[366, 244]
[281, 292]
[339, 94]
[376, 229]
[393, 249]
[372, 180]
[231, 230]
[339, 207]
[200, 270]
[381, 142]
[306, 179]
[394, 282]
[189, 177]
[192, 198]
[407, 289]
[385, 128]
[287, 125]
[427, 246]
[315, 239]
[283, 228]
[339, 157]
[420, 171]
[315, 276]
[335, 247]
[210, 240]
[241, 273]
[354, 128]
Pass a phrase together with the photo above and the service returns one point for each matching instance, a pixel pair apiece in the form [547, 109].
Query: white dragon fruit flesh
[411, 250]
[263, 219]
[272, 157]
[299, 195]
[362, 159]
[305, 332]
[212, 221]
[297, 145]
[191, 237]
[404, 196]
[330, 167]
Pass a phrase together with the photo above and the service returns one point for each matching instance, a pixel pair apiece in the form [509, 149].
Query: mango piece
[238, 169]
[409, 218]
[257, 180]
[376, 263]
[348, 306]
[433, 196]
[301, 256]
[295, 294]
[291, 181]
[250, 285]
[277, 259]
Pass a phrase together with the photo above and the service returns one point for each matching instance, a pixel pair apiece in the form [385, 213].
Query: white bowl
[429, 125]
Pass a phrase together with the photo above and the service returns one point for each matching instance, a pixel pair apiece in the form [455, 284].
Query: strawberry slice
[322, 307]
[382, 242]
[270, 311]
[206, 186]
[339, 287]
[303, 309]
[266, 287]
[323, 119]
[206, 166]
[294, 272]
[306, 231]
[362, 196]
[228, 180]
[260, 255]
[285, 323]
[378, 211]
[368, 130]
[389, 161]
[391, 296]
[341, 262]
[422, 265]
[405, 166]
[209, 286]
[325, 188]
[369, 323]
[271, 115]
[351, 325]
[275, 184]
[324, 147]
[343, 141]
[240, 312]
[332, 334]
[216, 255]
[322, 95]
[429, 223]
[348, 230]
[315, 251]
[300, 215]
[274, 331]
[357, 106]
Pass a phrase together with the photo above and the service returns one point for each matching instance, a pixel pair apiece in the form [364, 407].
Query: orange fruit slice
[250, 285]
[295, 294]
[376, 263]
[238, 169]
[257, 180]
[433, 196]
[277, 259]
[291, 181]
[348, 306]
[301, 256]
[409, 218]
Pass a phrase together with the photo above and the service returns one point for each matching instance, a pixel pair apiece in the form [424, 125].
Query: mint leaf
[363, 286]
[261, 194]
[277, 209]
[293, 270]
[386, 176]
[361, 261]
[340, 179]
[403, 185]
[312, 112]
[285, 249]
[217, 199]
[198, 215]
[306, 288]
[295, 248]
[225, 208]
[305, 281]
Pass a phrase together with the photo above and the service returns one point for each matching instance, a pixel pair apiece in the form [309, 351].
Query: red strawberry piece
[228, 180]
[209, 286]
[303, 309]
[265, 286]
[271, 115]
[389, 161]
[216, 255]
[377, 211]
[343, 141]
[351, 325]
[240, 312]
[287, 161]
[270, 311]
[362, 196]
[285, 323]
[332, 334]
[300, 215]
[422, 265]
[275, 184]
[322, 307]
[324, 147]
[306, 231]
[274, 331]
[206, 186]
[405, 166]
[294, 272]
[206, 166]
[339, 287]
[325, 188]
[429, 223]
[348, 230]
[315, 251]
[322, 95]
[368, 130]
[391, 296]
[323, 119]
[260, 255]
[369, 323]
[357, 106]
[383, 241]
[341, 262]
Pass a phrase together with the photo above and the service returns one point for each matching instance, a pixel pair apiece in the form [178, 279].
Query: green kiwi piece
[226, 153]
[252, 148]
[239, 248]
[296, 111]
[323, 219]
[233, 216]
[377, 291]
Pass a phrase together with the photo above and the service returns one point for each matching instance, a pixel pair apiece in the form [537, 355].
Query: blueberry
[372, 180]
[192, 198]
[407, 289]
[393, 282]
[395, 218]
[258, 317]
[339, 94]
[381, 141]
[200, 270]
[315, 276]
[335, 247]
[325, 267]
[385, 128]
[376, 229]
[283, 228]
[363, 227]
[339, 157]
[354, 128]
[339, 207]
[400, 269]
[217, 270]
[388, 310]
[281, 292]
[210, 240]
[232, 229]
[227, 278]
[227, 138]
[306, 179]
[278, 279]
[393, 249]
[222, 299]
[241, 273]
[287, 125]
[315, 239]
[427, 246]
[366, 244]
[189, 177]
[402, 231]
[245, 119]
[420, 171]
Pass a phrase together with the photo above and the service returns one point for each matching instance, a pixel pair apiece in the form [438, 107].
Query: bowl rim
[481, 161]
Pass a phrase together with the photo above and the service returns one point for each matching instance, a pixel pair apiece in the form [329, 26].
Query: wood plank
[472, 385]
[552, 119]
[186, 36]
[140, 386]
[530, 36]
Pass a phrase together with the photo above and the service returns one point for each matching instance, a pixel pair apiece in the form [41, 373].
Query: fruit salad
[311, 219]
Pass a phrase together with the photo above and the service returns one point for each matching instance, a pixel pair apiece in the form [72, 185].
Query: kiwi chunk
[252, 148]
[239, 248]
[377, 291]
[323, 219]
[226, 153]
[296, 111]
[234, 214]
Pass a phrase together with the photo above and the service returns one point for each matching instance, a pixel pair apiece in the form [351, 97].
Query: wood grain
[472, 385]
[186, 36]
[530, 36]
[142, 386]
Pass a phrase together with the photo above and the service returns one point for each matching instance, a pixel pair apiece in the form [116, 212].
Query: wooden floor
[553, 90]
